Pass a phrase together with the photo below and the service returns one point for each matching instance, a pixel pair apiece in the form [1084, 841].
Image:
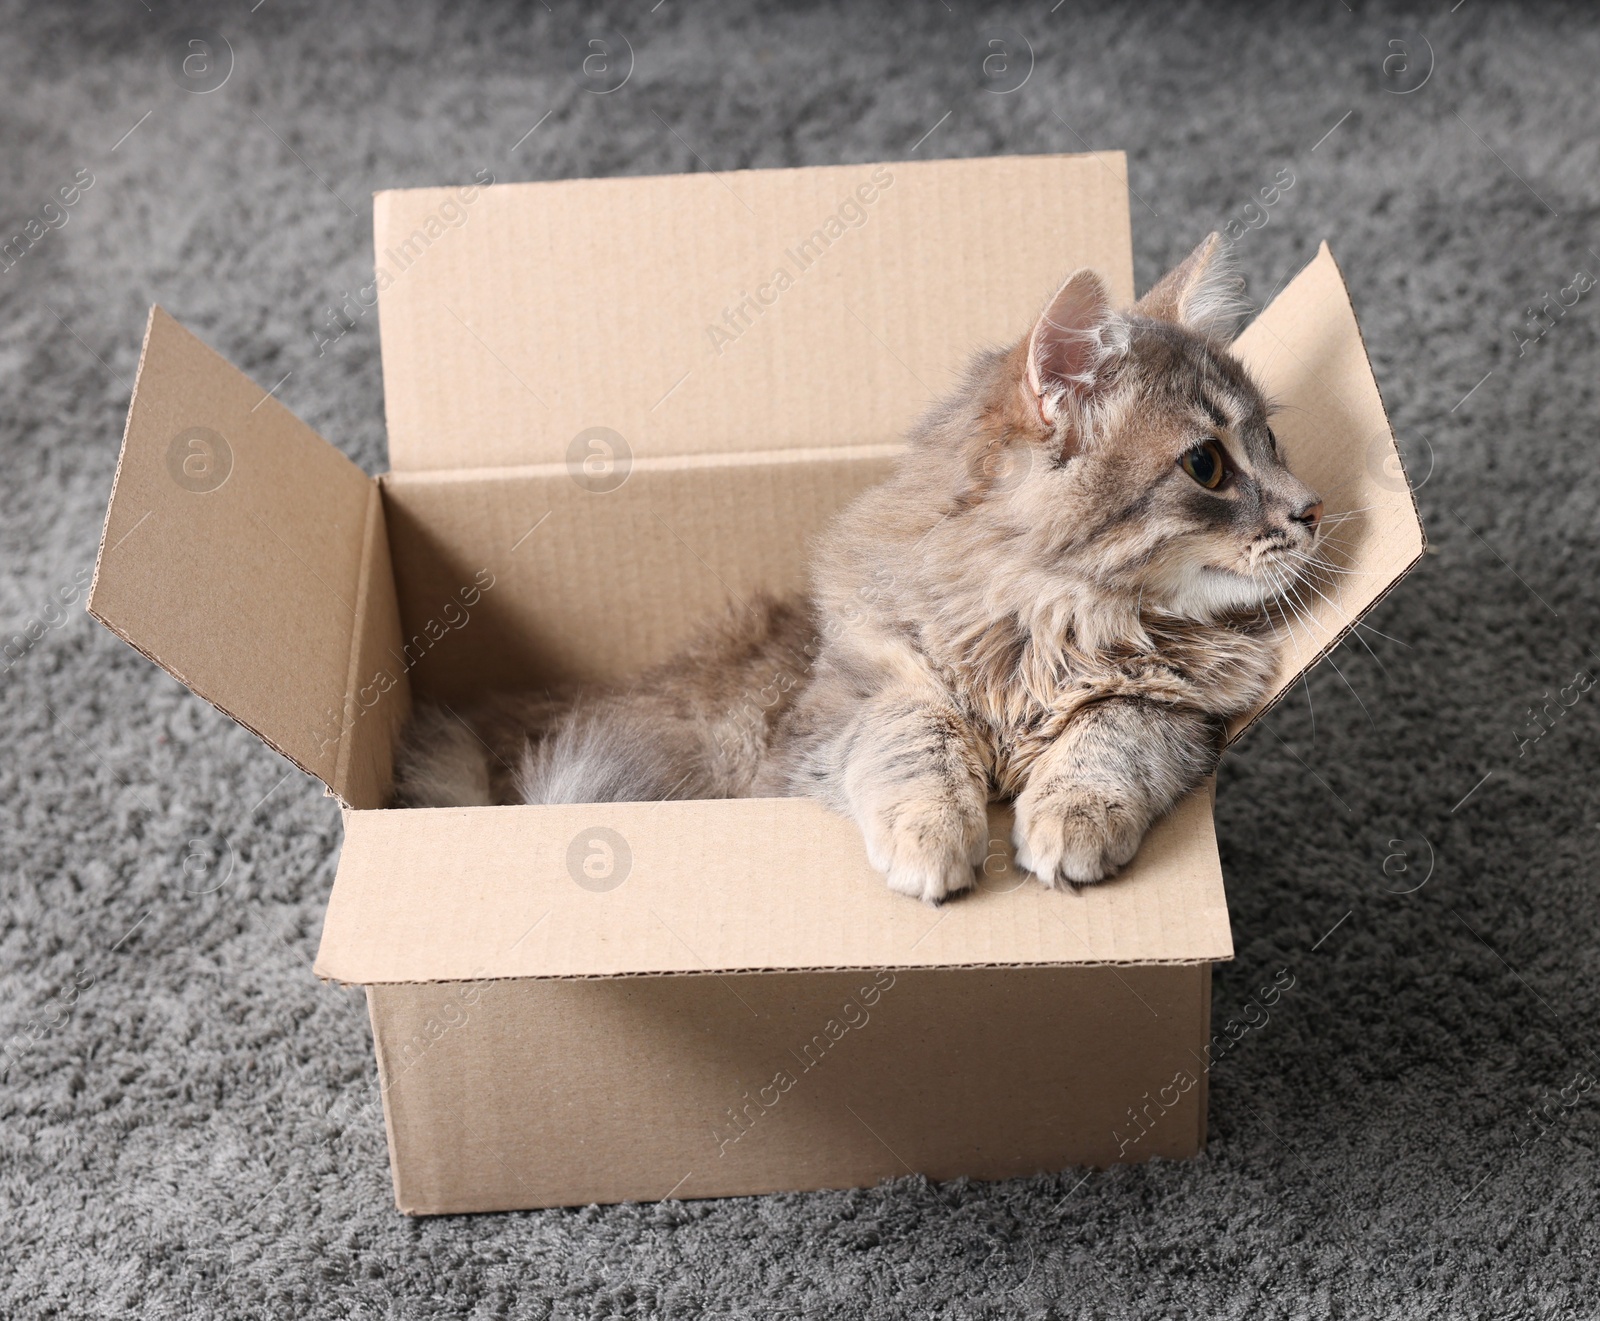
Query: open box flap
[709, 313]
[737, 885]
[247, 557]
[1306, 350]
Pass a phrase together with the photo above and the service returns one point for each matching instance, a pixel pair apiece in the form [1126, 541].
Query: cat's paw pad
[1075, 833]
[928, 850]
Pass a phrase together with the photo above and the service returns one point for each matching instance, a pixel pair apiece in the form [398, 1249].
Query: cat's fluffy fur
[1042, 603]
[697, 726]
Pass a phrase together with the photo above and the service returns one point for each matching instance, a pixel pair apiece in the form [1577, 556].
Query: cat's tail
[441, 762]
[697, 726]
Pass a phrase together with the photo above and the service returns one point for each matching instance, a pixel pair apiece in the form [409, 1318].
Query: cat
[1059, 598]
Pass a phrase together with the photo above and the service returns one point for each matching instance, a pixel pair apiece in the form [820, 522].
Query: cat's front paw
[927, 849]
[1074, 832]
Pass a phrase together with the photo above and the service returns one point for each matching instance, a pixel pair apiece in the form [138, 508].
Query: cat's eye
[1206, 464]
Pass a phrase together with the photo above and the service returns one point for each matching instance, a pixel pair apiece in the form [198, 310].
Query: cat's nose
[1310, 516]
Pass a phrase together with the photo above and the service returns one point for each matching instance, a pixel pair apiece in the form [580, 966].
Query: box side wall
[517, 1094]
[730, 885]
[760, 309]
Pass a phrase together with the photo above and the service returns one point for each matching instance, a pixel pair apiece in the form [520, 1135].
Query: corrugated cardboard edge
[1203, 1102]
[384, 1079]
[116, 477]
[99, 559]
[327, 789]
[1106, 158]
[341, 769]
[374, 624]
[1338, 638]
[659, 463]
[796, 970]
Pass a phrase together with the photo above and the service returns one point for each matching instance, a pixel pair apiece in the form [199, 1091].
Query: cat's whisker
[1291, 615]
[1353, 693]
[1333, 572]
[1302, 630]
[1308, 577]
[1304, 612]
[1316, 560]
[1328, 654]
[1334, 605]
[1304, 643]
[1356, 634]
[1311, 560]
[1310, 609]
[1347, 513]
[1382, 634]
[1302, 623]
[1264, 613]
[1294, 614]
[1305, 682]
[1324, 565]
[1333, 542]
[1355, 624]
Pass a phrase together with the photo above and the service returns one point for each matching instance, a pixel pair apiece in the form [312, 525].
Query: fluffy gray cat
[1059, 598]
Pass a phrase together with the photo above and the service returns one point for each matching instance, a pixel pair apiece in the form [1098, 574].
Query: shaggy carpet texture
[185, 1129]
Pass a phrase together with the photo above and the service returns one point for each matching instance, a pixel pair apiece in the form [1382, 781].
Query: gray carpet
[184, 1128]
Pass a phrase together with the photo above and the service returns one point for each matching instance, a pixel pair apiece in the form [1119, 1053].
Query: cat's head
[1147, 461]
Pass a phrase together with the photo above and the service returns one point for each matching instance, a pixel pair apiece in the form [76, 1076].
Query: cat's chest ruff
[1021, 694]
[1039, 698]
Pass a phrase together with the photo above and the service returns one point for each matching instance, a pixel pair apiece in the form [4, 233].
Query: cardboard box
[612, 404]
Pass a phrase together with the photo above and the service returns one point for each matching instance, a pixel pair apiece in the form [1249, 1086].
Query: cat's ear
[1074, 344]
[1204, 292]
